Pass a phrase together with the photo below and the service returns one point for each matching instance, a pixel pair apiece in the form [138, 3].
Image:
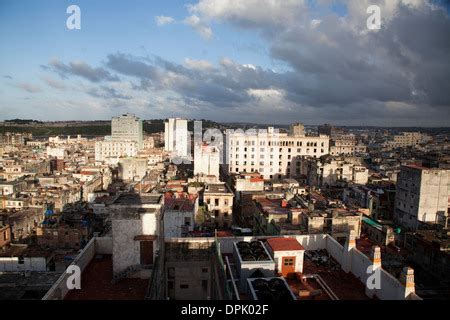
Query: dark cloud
[335, 65]
[80, 69]
[7, 76]
[107, 93]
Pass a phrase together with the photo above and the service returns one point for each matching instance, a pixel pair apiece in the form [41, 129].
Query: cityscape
[222, 166]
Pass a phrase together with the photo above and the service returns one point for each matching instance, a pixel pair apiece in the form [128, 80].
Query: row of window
[278, 143]
[271, 156]
[262, 170]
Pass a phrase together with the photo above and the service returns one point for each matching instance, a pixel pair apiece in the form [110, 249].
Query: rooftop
[345, 285]
[180, 202]
[218, 188]
[138, 199]
[24, 251]
[96, 283]
[284, 244]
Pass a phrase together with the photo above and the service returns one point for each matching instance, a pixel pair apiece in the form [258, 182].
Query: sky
[259, 61]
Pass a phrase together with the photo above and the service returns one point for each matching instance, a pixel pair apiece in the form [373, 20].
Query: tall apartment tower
[176, 137]
[127, 127]
[422, 196]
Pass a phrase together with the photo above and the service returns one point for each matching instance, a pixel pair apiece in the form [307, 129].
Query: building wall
[320, 173]
[190, 280]
[278, 258]
[11, 264]
[126, 250]
[174, 221]
[206, 160]
[114, 149]
[273, 155]
[132, 169]
[127, 128]
[176, 137]
[421, 194]
[224, 215]
[5, 236]
[59, 289]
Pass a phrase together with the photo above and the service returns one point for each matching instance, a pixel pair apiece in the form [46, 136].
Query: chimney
[350, 243]
[375, 255]
[347, 254]
[407, 279]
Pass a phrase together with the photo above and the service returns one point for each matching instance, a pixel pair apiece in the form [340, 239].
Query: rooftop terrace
[96, 283]
[137, 199]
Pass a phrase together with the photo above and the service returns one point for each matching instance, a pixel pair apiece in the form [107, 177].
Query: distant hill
[86, 128]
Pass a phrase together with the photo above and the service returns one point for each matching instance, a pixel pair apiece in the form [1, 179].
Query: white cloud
[266, 94]
[198, 64]
[164, 20]
[195, 22]
[315, 23]
[250, 11]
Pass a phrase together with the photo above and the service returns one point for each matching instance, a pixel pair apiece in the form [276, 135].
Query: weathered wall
[59, 289]
[11, 264]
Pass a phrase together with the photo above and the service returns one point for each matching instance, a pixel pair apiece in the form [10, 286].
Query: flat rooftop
[218, 188]
[14, 286]
[96, 283]
[345, 285]
[25, 251]
[138, 199]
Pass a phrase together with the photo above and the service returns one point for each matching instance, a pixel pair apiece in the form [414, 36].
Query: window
[21, 260]
[216, 202]
[184, 286]
[204, 270]
[288, 262]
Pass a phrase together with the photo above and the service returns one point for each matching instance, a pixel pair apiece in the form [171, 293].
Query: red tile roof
[284, 244]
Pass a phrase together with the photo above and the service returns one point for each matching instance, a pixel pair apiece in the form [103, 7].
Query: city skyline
[310, 61]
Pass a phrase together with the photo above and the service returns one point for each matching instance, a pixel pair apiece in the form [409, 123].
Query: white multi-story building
[125, 141]
[127, 127]
[110, 151]
[177, 137]
[422, 195]
[274, 155]
[206, 160]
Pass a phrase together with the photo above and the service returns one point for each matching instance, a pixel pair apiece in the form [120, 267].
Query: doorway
[146, 252]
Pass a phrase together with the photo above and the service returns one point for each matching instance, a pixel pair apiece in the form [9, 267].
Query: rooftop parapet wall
[95, 246]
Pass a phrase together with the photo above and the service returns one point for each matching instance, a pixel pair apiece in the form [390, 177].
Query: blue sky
[34, 31]
[266, 61]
